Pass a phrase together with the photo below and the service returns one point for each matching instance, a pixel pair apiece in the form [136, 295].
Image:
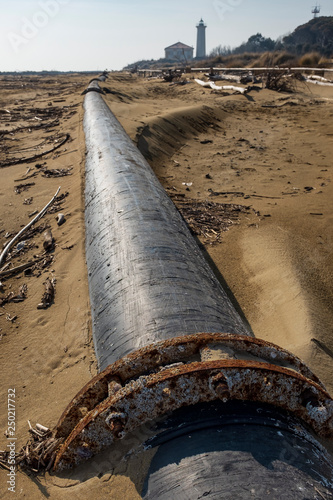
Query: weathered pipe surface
[148, 279]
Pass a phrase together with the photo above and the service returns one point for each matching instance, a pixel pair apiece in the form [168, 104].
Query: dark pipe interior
[238, 450]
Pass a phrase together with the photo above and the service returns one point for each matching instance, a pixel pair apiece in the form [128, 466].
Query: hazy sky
[83, 35]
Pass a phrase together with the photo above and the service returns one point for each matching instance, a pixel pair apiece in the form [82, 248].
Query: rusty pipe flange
[179, 349]
[93, 87]
[151, 396]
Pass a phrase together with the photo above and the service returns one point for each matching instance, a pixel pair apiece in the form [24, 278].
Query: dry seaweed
[209, 220]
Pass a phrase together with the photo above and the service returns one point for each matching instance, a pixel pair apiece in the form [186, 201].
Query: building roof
[178, 45]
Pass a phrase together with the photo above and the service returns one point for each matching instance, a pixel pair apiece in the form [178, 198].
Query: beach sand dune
[266, 151]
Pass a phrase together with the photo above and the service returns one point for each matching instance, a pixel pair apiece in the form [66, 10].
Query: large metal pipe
[148, 279]
[149, 284]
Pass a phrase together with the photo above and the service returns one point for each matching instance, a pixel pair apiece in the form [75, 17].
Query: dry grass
[282, 59]
[310, 59]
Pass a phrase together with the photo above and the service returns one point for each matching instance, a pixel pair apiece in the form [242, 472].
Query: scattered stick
[56, 172]
[240, 193]
[26, 177]
[18, 236]
[38, 454]
[39, 155]
[218, 193]
[22, 267]
[23, 187]
[268, 197]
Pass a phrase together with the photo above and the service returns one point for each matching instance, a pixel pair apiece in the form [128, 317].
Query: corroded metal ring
[142, 386]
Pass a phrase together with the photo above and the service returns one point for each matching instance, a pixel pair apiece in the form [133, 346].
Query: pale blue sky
[83, 35]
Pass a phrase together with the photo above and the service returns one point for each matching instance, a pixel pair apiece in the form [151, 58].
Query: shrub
[310, 59]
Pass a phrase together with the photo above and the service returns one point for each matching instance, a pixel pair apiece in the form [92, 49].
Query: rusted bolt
[220, 386]
[308, 396]
[222, 391]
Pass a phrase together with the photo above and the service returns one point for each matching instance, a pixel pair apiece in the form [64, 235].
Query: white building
[179, 52]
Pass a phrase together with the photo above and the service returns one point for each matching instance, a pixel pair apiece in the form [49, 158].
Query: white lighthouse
[201, 40]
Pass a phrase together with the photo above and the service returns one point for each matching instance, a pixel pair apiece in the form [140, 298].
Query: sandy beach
[267, 155]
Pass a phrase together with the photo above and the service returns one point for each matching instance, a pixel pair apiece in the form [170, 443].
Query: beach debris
[57, 205]
[240, 90]
[10, 318]
[280, 82]
[16, 161]
[38, 454]
[23, 187]
[48, 295]
[60, 219]
[28, 201]
[240, 193]
[319, 80]
[56, 172]
[16, 238]
[26, 177]
[22, 267]
[208, 219]
[20, 246]
[202, 83]
[18, 297]
[48, 242]
[213, 86]
[225, 77]
[206, 141]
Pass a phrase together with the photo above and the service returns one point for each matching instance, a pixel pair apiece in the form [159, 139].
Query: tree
[316, 35]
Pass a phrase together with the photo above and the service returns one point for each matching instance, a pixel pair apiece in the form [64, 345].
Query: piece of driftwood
[56, 172]
[213, 86]
[48, 242]
[23, 187]
[33, 158]
[241, 90]
[19, 234]
[17, 269]
[26, 177]
[240, 193]
[48, 295]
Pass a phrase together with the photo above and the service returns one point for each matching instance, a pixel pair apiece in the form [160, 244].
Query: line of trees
[316, 35]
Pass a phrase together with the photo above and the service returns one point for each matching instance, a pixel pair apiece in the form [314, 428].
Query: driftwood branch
[39, 155]
[18, 236]
[17, 269]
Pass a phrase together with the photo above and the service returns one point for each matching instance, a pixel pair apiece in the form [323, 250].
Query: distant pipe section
[239, 413]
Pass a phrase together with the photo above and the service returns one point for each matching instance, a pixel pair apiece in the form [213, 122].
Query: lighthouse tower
[201, 40]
